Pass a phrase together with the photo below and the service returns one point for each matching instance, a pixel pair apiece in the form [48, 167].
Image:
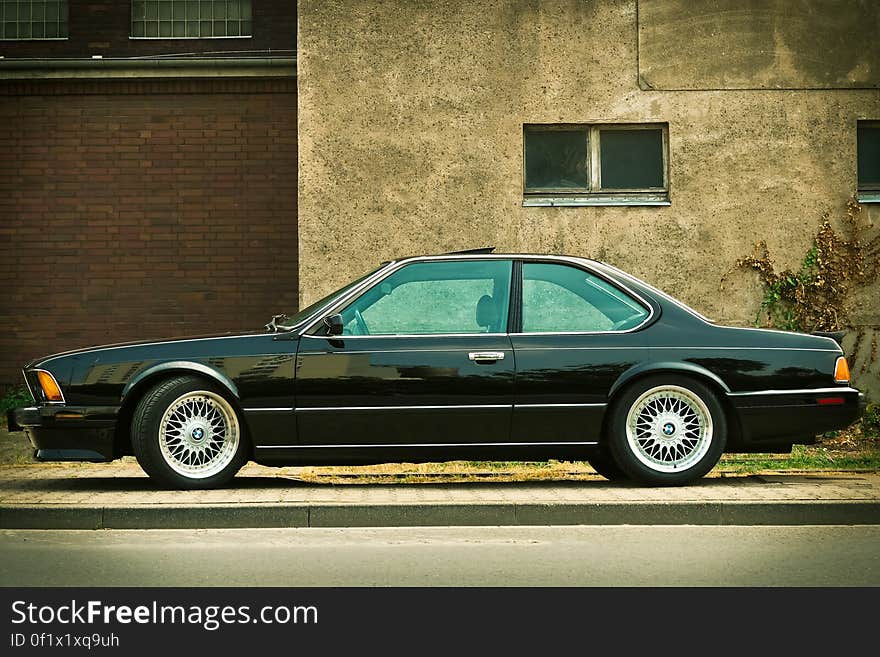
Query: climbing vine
[818, 295]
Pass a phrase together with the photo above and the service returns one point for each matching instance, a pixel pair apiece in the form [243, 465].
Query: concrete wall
[759, 44]
[410, 140]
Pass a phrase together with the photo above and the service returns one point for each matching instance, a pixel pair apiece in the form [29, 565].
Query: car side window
[434, 298]
[560, 298]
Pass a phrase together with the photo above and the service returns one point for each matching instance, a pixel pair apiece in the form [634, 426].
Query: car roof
[485, 254]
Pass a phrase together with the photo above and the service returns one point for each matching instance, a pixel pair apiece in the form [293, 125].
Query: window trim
[305, 328]
[595, 194]
[343, 303]
[869, 193]
[652, 311]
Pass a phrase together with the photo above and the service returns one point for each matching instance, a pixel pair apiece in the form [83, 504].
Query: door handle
[486, 356]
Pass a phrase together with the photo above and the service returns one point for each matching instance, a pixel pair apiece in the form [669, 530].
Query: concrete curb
[220, 516]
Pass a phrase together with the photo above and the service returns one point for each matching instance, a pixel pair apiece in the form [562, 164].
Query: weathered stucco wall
[759, 44]
[410, 141]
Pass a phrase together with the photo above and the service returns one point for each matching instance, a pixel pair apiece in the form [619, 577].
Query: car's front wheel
[667, 430]
[186, 434]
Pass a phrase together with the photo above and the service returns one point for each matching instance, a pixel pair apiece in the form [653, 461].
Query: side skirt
[356, 455]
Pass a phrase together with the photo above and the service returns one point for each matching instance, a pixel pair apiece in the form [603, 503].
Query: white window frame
[186, 20]
[595, 194]
[63, 19]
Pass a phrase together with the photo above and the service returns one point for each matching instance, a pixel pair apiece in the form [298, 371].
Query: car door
[576, 336]
[424, 359]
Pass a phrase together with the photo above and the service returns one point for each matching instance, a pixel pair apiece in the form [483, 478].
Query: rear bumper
[795, 416]
[67, 433]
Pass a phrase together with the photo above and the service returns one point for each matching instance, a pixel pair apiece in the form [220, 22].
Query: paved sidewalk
[119, 496]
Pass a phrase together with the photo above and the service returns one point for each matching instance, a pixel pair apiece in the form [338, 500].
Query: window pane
[869, 155]
[631, 159]
[559, 298]
[556, 159]
[435, 297]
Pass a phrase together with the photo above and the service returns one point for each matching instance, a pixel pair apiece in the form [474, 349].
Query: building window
[601, 164]
[33, 19]
[869, 161]
[190, 19]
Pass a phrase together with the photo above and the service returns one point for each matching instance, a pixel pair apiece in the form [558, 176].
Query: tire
[604, 464]
[667, 430]
[186, 434]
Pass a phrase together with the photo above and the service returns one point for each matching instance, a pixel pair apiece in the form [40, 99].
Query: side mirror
[334, 324]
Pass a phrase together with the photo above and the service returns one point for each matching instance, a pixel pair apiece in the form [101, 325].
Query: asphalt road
[451, 556]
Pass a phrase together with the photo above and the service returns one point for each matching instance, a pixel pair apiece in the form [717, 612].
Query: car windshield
[290, 321]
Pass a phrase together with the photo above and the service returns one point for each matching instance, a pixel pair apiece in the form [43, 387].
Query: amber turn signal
[841, 371]
[51, 391]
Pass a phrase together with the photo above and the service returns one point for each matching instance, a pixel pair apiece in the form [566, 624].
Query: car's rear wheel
[186, 434]
[667, 430]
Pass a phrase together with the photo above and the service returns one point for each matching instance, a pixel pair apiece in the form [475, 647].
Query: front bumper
[59, 432]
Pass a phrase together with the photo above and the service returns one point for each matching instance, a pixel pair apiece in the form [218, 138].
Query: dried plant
[818, 297]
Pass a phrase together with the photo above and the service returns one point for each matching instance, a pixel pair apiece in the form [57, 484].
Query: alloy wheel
[199, 434]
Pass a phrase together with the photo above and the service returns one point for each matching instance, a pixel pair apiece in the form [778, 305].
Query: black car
[470, 355]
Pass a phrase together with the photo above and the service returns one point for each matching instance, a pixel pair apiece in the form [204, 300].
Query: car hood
[37, 362]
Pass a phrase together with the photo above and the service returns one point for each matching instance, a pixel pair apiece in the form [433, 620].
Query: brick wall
[143, 209]
[103, 28]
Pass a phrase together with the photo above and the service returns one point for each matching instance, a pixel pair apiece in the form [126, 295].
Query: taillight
[841, 371]
[51, 391]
